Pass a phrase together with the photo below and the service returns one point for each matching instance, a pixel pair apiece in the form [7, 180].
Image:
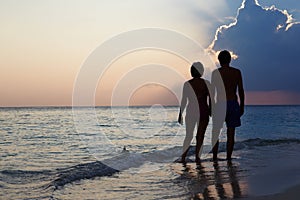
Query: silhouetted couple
[219, 99]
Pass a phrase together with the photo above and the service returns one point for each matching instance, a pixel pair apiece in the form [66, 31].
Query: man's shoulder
[235, 69]
[225, 68]
[221, 69]
[216, 71]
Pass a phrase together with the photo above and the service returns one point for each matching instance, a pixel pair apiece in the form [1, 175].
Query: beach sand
[292, 193]
[277, 176]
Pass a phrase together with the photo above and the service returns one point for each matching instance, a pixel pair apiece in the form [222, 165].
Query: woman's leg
[200, 137]
[190, 126]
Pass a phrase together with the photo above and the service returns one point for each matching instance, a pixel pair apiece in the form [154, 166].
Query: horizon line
[106, 106]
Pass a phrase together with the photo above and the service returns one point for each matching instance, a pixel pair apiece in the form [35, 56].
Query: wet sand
[213, 180]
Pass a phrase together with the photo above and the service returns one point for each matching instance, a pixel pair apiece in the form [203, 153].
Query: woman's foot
[215, 158]
[197, 160]
[182, 160]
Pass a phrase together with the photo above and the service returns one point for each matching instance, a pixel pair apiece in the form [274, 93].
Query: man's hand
[180, 120]
[241, 110]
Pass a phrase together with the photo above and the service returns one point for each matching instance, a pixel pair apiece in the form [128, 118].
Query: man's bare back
[232, 80]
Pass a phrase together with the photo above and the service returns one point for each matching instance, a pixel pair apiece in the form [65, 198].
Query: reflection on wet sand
[213, 180]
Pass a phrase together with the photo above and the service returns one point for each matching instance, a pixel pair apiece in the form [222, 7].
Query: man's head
[224, 57]
[197, 69]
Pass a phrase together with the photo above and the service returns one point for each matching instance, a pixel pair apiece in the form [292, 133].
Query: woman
[196, 94]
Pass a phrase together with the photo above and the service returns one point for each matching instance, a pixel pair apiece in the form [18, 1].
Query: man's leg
[230, 142]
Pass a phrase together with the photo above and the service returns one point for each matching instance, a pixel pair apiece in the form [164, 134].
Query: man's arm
[241, 93]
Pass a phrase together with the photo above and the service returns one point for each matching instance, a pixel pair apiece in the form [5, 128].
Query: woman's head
[197, 69]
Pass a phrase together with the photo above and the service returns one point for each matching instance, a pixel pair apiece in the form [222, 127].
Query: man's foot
[229, 158]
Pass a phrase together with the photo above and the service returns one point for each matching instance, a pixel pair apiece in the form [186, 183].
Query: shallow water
[44, 156]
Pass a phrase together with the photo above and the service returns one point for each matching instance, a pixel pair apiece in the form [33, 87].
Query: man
[226, 81]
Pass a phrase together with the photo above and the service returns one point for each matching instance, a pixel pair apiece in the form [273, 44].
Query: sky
[266, 42]
[45, 43]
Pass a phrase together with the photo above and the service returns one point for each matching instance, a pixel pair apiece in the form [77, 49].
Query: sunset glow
[45, 43]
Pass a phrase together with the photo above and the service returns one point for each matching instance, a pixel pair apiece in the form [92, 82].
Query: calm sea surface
[128, 153]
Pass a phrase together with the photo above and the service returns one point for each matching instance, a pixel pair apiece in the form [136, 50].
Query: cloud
[292, 6]
[267, 43]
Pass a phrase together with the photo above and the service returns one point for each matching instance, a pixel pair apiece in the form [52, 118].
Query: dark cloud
[267, 43]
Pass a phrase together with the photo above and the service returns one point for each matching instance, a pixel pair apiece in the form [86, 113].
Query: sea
[131, 152]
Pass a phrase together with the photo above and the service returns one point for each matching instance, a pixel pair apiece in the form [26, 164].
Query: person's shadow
[213, 181]
[227, 183]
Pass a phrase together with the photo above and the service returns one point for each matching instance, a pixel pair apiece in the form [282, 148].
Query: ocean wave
[51, 180]
[81, 171]
[24, 172]
[249, 144]
[258, 142]
[60, 177]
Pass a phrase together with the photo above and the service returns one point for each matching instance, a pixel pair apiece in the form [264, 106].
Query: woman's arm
[209, 98]
[183, 103]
